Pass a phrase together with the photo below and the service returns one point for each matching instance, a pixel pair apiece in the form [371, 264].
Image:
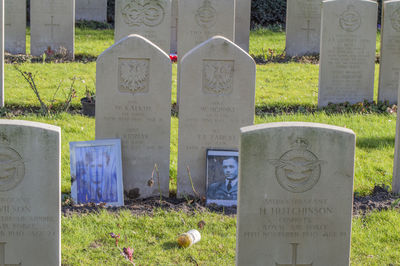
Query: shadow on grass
[375, 142]
[170, 245]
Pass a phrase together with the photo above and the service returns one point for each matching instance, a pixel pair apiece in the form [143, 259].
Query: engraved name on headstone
[15, 26]
[295, 194]
[148, 18]
[390, 52]
[347, 60]
[30, 193]
[217, 98]
[303, 27]
[133, 103]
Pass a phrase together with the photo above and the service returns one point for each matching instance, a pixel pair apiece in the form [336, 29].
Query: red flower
[128, 253]
[173, 57]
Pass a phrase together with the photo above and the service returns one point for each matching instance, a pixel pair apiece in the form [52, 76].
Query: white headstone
[347, 59]
[148, 18]
[1, 53]
[91, 10]
[52, 26]
[133, 103]
[30, 193]
[200, 20]
[295, 195]
[216, 98]
[242, 23]
[15, 26]
[303, 27]
[396, 164]
[174, 27]
[390, 52]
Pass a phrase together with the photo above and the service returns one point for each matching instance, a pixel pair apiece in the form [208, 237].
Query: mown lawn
[85, 239]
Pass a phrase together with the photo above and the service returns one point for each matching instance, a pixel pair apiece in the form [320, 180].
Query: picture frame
[222, 176]
[96, 172]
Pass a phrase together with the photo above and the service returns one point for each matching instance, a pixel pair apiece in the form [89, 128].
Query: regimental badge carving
[206, 15]
[143, 12]
[395, 19]
[218, 76]
[350, 20]
[298, 169]
[133, 75]
[12, 167]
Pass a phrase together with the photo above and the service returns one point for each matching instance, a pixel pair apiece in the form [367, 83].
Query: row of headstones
[344, 33]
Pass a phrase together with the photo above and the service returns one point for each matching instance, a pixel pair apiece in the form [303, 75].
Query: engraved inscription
[12, 168]
[298, 170]
[395, 19]
[217, 76]
[294, 257]
[350, 20]
[143, 12]
[133, 75]
[308, 29]
[206, 15]
[3, 255]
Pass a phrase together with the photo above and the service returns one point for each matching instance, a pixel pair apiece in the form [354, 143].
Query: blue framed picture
[96, 172]
[222, 177]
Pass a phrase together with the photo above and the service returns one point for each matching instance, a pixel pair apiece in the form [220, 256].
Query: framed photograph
[222, 177]
[96, 172]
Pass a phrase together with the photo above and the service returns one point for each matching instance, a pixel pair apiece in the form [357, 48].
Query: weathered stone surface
[295, 194]
[148, 18]
[242, 23]
[52, 26]
[396, 164]
[91, 10]
[217, 98]
[133, 103]
[174, 27]
[15, 26]
[303, 27]
[347, 60]
[200, 20]
[390, 52]
[1, 53]
[30, 193]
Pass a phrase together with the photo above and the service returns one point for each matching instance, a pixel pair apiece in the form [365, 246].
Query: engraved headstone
[217, 98]
[347, 59]
[91, 10]
[390, 52]
[242, 23]
[396, 164]
[148, 18]
[295, 194]
[15, 26]
[303, 27]
[200, 20]
[30, 193]
[52, 27]
[1, 53]
[133, 103]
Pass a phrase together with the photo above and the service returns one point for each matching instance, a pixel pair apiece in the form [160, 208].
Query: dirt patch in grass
[380, 199]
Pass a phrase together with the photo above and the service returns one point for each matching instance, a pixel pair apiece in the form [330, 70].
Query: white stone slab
[30, 193]
[216, 99]
[174, 27]
[303, 27]
[295, 195]
[52, 26]
[347, 60]
[242, 23]
[1, 53]
[15, 26]
[200, 20]
[91, 10]
[396, 164]
[133, 103]
[148, 18]
[390, 52]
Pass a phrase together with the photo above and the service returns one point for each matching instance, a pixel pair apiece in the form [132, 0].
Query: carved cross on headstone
[294, 258]
[52, 26]
[308, 29]
[3, 255]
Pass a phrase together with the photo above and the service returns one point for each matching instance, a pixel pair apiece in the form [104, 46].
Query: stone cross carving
[52, 26]
[308, 29]
[294, 257]
[3, 255]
